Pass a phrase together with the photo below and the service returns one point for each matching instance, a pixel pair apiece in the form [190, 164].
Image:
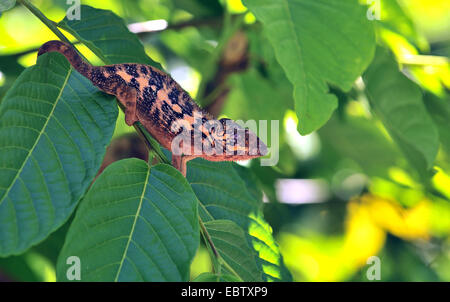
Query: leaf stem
[218, 261]
[208, 237]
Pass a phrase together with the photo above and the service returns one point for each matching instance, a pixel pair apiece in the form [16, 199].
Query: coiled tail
[70, 53]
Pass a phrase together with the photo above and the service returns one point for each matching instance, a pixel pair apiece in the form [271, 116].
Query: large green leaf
[359, 139]
[317, 42]
[54, 128]
[107, 36]
[135, 224]
[398, 103]
[223, 195]
[230, 241]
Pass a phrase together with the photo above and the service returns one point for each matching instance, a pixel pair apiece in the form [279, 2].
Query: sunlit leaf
[398, 103]
[314, 43]
[396, 19]
[107, 35]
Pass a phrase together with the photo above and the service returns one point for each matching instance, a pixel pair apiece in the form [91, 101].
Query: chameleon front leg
[128, 97]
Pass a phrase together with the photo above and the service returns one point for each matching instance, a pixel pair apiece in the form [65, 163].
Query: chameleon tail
[70, 53]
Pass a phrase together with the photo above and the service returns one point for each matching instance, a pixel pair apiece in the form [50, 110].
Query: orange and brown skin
[153, 98]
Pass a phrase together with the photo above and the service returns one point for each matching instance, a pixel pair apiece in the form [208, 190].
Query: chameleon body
[153, 98]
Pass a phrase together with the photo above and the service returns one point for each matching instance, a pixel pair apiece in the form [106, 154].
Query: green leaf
[223, 195]
[54, 129]
[210, 277]
[230, 241]
[398, 103]
[359, 139]
[135, 224]
[255, 98]
[315, 43]
[52, 245]
[107, 36]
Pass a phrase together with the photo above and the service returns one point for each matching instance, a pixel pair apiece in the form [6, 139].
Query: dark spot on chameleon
[148, 99]
[187, 108]
[170, 112]
[145, 105]
[144, 70]
[118, 79]
[173, 95]
[97, 76]
[135, 84]
[156, 79]
[155, 115]
[112, 83]
[166, 122]
[131, 70]
[149, 94]
[110, 69]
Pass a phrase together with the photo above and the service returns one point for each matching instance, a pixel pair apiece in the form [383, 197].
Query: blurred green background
[338, 195]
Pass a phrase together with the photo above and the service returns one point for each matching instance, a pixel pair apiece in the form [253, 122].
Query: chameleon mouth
[222, 140]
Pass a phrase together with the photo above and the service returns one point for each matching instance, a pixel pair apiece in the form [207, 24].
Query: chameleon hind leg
[127, 97]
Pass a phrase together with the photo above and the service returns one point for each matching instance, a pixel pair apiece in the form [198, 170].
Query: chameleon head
[235, 143]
